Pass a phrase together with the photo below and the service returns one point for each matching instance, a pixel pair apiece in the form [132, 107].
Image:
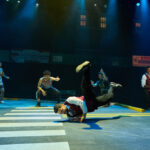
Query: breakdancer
[76, 108]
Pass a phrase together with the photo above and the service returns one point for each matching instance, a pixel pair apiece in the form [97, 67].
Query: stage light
[37, 4]
[138, 4]
[95, 4]
[7, 0]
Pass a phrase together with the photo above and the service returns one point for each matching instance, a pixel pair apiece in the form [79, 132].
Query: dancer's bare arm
[104, 75]
[82, 118]
[40, 89]
[78, 118]
[55, 78]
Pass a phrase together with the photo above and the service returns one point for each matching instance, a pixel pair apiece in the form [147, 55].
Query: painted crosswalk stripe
[30, 118]
[30, 114]
[32, 133]
[30, 110]
[19, 114]
[50, 107]
[32, 124]
[37, 146]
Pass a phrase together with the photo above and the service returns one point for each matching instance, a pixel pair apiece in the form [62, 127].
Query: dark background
[54, 27]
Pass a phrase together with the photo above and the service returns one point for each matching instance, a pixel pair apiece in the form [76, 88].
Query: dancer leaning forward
[45, 87]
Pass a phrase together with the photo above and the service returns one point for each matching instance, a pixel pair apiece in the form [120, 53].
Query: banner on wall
[140, 61]
[26, 56]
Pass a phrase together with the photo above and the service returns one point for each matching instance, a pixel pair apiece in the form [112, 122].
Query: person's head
[100, 76]
[46, 74]
[60, 108]
[148, 70]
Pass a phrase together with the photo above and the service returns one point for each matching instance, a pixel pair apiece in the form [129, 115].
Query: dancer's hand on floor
[82, 118]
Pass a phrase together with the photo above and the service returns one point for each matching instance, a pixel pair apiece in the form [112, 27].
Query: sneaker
[113, 84]
[112, 103]
[81, 66]
[38, 105]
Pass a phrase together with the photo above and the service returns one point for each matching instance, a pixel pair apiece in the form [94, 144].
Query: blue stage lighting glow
[29, 9]
[82, 6]
[138, 4]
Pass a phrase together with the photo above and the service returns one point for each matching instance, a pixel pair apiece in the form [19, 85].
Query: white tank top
[46, 83]
[1, 72]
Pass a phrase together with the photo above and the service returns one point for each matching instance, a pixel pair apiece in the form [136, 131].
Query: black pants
[2, 90]
[49, 92]
[146, 99]
[87, 90]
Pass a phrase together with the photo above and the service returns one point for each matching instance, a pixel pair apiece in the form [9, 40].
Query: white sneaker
[79, 67]
[113, 84]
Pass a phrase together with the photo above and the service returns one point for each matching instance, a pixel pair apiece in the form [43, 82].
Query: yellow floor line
[131, 107]
[14, 99]
[119, 114]
[40, 107]
[115, 115]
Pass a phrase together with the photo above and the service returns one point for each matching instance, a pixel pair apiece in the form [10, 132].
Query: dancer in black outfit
[76, 108]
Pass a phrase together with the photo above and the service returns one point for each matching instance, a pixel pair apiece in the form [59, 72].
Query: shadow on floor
[92, 122]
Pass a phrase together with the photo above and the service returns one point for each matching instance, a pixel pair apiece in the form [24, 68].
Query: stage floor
[26, 127]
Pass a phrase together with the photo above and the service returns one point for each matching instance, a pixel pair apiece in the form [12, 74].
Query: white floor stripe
[29, 118]
[30, 114]
[28, 124]
[34, 110]
[37, 146]
[34, 107]
[31, 133]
